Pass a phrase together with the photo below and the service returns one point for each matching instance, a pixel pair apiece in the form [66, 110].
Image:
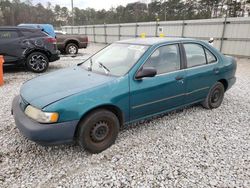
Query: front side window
[195, 55]
[165, 59]
[116, 59]
[8, 34]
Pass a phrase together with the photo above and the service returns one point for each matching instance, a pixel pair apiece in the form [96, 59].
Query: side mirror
[146, 72]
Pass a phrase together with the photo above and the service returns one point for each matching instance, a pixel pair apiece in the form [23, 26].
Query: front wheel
[37, 62]
[215, 96]
[98, 131]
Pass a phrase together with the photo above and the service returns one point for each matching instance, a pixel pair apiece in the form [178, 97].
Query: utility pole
[73, 20]
[165, 13]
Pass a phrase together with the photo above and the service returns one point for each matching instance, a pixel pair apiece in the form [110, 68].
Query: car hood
[44, 90]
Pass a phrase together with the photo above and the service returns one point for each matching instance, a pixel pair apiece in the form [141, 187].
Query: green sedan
[125, 82]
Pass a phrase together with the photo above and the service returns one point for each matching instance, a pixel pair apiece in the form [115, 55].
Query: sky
[82, 4]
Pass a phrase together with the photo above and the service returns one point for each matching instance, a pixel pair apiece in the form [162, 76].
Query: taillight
[51, 40]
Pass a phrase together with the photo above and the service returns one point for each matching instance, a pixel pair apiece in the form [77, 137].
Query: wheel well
[72, 41]
[224, 82]
[111, 108]
[37, 50]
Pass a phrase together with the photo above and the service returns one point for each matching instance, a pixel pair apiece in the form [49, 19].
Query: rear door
[201, 71]
[10, 44]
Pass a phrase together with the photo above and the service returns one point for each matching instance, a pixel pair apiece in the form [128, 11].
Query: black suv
[26, 46]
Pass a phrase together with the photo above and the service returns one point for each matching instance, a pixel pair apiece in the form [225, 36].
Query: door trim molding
[167, 98]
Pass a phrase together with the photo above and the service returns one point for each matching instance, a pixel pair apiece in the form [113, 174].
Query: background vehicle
[70, 44]
[30, 47]
[123, 83]
[47, 28]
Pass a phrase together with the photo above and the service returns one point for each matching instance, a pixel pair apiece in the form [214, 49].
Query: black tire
[98, 131]
[215, 96]
[71, 48]
[37, 62]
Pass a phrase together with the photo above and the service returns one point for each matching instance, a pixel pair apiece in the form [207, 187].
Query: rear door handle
[179, 78]
[216, 70]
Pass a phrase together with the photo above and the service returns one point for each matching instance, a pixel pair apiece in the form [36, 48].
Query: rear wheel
[71, 48]
[37, 62]
[98, 131]
[214, 97]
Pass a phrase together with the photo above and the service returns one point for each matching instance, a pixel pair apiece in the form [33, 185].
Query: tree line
[15, 12]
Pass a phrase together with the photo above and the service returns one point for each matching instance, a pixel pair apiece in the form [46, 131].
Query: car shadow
[149, 120]
[13, 69]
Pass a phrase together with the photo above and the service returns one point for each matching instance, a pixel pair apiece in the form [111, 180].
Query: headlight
[40, 116]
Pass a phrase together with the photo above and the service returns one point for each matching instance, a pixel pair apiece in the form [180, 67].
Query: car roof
[9, 27]
[17, 27]
[154, 40]
[48, 28]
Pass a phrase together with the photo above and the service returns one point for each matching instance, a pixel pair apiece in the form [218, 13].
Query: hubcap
[37, 62]
[100, 131]
[216, 96]
[72, 49]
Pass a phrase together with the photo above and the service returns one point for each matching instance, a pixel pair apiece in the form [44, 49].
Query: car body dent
[34, 48]
[25, 45]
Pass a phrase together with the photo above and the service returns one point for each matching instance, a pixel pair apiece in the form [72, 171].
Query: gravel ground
[193, 147]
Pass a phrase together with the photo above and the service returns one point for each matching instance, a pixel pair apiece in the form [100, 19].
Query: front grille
[23, 104]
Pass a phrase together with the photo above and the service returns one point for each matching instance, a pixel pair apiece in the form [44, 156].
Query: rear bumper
[83, 45]
[62, 46]
[231, 82]
[44, 134]
[54, 57]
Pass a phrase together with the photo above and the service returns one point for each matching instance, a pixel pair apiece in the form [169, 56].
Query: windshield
[115, 59]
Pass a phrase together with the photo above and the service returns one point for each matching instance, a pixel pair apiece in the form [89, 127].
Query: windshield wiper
[104, 68]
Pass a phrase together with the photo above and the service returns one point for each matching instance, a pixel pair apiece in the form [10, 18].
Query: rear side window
[8, 34]
[165, 59]
[210, 57]
[195, 55]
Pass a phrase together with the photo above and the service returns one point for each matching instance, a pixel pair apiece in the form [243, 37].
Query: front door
[162, 92]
